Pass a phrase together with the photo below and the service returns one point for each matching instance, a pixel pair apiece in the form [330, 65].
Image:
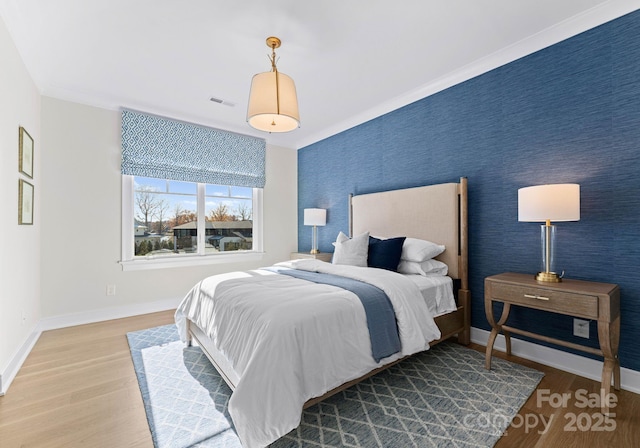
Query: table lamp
[315, 217]
[547, 203]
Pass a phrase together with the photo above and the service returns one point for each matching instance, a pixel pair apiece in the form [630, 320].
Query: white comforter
[290, 340]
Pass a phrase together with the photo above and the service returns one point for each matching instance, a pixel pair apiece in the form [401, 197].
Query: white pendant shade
[273, 103]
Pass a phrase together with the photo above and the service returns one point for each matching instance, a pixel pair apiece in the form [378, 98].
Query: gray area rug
[440, 398]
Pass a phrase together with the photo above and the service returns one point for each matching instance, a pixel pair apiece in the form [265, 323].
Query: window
[190, 194]
[171, 223]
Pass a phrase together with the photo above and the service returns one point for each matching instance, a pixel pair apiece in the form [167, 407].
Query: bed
[283, 343]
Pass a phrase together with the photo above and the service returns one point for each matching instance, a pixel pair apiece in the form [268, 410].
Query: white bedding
[290, 340]
[437, 291]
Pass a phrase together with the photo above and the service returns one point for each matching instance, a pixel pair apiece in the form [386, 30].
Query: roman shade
[162, 148]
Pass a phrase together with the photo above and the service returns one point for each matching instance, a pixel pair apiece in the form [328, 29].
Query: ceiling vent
[213, 99]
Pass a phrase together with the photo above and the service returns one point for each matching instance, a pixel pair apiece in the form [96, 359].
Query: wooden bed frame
[436, 213]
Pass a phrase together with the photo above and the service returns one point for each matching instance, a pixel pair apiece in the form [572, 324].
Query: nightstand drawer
[580, 305]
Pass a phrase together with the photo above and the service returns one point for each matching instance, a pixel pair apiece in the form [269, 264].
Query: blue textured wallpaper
[567, 114]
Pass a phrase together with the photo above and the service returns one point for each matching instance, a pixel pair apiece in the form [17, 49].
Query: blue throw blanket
[381, 318]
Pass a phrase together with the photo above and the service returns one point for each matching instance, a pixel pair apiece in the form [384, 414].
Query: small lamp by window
[546, 203]
[315, 217]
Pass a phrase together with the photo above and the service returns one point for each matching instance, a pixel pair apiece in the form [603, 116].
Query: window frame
[130, 263]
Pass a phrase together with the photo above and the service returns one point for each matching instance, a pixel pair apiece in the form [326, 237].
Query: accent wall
[569, 113]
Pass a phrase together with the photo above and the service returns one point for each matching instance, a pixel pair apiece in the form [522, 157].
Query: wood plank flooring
[565, 431]
[77, 388]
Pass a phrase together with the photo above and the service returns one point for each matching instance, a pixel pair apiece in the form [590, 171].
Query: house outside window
[163, 219]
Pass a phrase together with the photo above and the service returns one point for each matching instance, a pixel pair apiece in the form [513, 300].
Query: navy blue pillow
[385, 254]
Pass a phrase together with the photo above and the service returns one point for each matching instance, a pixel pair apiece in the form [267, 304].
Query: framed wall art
[25, 156]
[25, 202]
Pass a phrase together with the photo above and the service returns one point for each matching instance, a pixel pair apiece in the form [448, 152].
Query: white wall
[20, 249]
[81, 196]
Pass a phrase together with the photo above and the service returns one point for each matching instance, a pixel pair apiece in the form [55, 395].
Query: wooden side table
[588, 300]
[323, 256]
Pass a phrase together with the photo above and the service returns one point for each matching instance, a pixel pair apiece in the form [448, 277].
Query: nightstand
[322, 256]
[582, 299]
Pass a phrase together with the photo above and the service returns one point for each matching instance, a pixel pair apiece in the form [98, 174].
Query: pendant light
[273, 103]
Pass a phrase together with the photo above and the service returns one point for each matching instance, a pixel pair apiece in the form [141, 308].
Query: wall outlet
[581, 328]
[24, 318]
[111, 290]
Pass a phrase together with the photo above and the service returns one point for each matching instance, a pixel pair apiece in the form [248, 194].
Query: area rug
[440, 398]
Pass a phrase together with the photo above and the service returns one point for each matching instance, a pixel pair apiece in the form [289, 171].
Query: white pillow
[417, 250]
[427, 267]
[351, 251]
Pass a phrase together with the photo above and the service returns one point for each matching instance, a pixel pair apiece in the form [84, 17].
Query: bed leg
[464, 300]
[189, 337]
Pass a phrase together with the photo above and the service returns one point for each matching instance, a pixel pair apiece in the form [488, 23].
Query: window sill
[142, 264]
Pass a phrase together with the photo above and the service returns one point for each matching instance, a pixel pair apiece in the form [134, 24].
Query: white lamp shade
[555, 202]
[315, 217]
[273, 103]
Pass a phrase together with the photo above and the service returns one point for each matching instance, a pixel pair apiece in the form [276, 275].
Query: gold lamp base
[548, 277]
[314, 251]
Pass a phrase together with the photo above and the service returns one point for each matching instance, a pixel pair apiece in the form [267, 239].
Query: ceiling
[351, 60]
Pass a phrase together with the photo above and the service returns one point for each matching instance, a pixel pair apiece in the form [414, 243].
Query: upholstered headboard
[436, 213]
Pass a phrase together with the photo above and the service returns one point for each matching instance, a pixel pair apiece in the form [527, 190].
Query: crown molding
[566, 29]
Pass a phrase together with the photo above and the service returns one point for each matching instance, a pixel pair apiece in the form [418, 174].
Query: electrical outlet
[581, 328]
[111, 290]
[24, 317]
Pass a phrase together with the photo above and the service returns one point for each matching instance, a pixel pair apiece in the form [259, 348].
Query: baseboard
[578, 365]
[89, 317]
[71, 320]
[16, 361]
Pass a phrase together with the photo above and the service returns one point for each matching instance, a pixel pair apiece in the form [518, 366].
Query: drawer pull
[531, 296]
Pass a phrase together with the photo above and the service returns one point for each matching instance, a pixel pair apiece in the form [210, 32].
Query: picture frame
[25, 202]
[25, 153]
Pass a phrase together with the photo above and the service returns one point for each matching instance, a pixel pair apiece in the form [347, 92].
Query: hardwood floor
[579, 423]
[77, 388]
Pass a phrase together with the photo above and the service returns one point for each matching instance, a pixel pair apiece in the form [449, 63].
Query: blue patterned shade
[168, 149]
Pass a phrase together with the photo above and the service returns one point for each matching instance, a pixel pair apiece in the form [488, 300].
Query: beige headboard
[436, 213]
